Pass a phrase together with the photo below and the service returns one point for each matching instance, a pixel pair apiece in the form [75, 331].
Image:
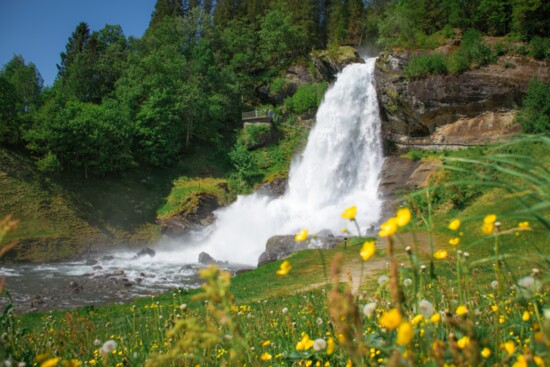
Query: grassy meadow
[458, 277]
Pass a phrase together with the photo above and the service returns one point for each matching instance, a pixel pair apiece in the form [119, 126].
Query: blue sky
[39, 29]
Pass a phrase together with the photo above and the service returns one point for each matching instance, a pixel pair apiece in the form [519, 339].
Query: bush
[474, 49]
[255, 135]
[535, 114]
[424, 65]
[49, 164]
[307, 98]
[242, 160]
[539, 48]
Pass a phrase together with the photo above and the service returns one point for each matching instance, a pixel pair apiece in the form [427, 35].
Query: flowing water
[338, 168]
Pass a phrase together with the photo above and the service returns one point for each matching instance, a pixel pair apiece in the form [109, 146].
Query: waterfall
[339, 168]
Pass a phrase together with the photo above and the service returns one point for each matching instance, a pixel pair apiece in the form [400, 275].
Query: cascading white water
[339, 167]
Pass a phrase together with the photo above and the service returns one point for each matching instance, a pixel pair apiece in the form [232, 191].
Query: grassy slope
[67, 216]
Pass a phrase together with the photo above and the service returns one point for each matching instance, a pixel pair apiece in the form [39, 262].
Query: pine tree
[355, 11]
[75, 46]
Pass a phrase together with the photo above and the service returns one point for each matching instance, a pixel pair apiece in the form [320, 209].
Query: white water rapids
[339, 167]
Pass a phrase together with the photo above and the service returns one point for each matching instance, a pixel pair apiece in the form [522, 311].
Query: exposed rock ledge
[479, 100]
[279, 247]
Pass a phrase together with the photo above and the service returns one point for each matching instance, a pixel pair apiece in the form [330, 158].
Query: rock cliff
[478, 103]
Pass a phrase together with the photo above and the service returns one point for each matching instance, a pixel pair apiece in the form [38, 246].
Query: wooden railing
[268, 114]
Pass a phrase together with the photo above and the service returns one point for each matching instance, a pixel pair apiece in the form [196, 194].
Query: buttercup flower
[350, 213]
[391, 319]
[405, 333]
[285, 268]
[368, 249]
[50, 362]
[301, 236]
[454, 241]
[486, 353]
[265, 357]
[463, 342]
[403, 217]
[523, 224]
[388, 228]
[454, 225]
[330, 346]
[305, 344]
[461, 310]
[488, 226]
[440, 254]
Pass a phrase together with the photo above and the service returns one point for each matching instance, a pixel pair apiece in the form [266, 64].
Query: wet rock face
[419, 107]
[328, 66]
[274, 188]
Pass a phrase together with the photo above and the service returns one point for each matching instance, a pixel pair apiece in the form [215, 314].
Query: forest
[122, 102]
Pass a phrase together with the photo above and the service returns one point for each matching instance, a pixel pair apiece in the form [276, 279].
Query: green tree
[75, 45]
[166, 8]
[9, 129]
[531, 18]
[493, 17]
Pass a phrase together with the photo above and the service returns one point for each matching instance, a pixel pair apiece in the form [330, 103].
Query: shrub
[535, 114]
[539, 48]
[424, 65]
[242, 160]
[474, 49]
[255, 135]
[49, 164]
[306, 99]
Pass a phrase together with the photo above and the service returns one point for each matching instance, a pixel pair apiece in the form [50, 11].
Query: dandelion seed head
[108, 346]
[319, 344]
[369, 309]
[425, 308]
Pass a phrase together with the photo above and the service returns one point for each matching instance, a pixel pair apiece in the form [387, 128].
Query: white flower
[285, 310]
[108, 346]
[425, 308]
[369, 309]
[319, 344]
[383, 280]
[319, 321]
[527, 285]
[546, 313]
[494, 284]
[183, 307]
[407, 282]
[97, 342]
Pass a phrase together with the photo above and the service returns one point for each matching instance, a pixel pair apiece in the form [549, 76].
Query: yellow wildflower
[405, 333]
[349, 363]
[391, 319]
[388, 228]
[305, 344]
[463, 342]
[461, 310]
[435, 318]
[454, 225]
[368, 249]
[440, 254]
[301, 236]
[521, 362]
[350, 213]
[285, 268]
[92, 362]
[526, 316]
[488, 226]
[330, 346]
[403, 217]
[523, 224]
[50, 362]
[344, 230]
[265, 357]
[538, 361]
[510, 347]
[486, 353]
[266, 343]
[416, 320]
[454, 241]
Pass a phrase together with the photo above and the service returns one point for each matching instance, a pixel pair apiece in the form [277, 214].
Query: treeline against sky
[121, 102]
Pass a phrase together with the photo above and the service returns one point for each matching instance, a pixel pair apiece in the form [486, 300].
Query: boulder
[147, 251]
[279, 247]
[478, 100]
[206, 259]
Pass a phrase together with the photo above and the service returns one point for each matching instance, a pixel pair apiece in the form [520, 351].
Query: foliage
[307, 98]
[425, 65]
[255, 135]
[49, 164]
[242, 160]
[539, 48]
[534, 116]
